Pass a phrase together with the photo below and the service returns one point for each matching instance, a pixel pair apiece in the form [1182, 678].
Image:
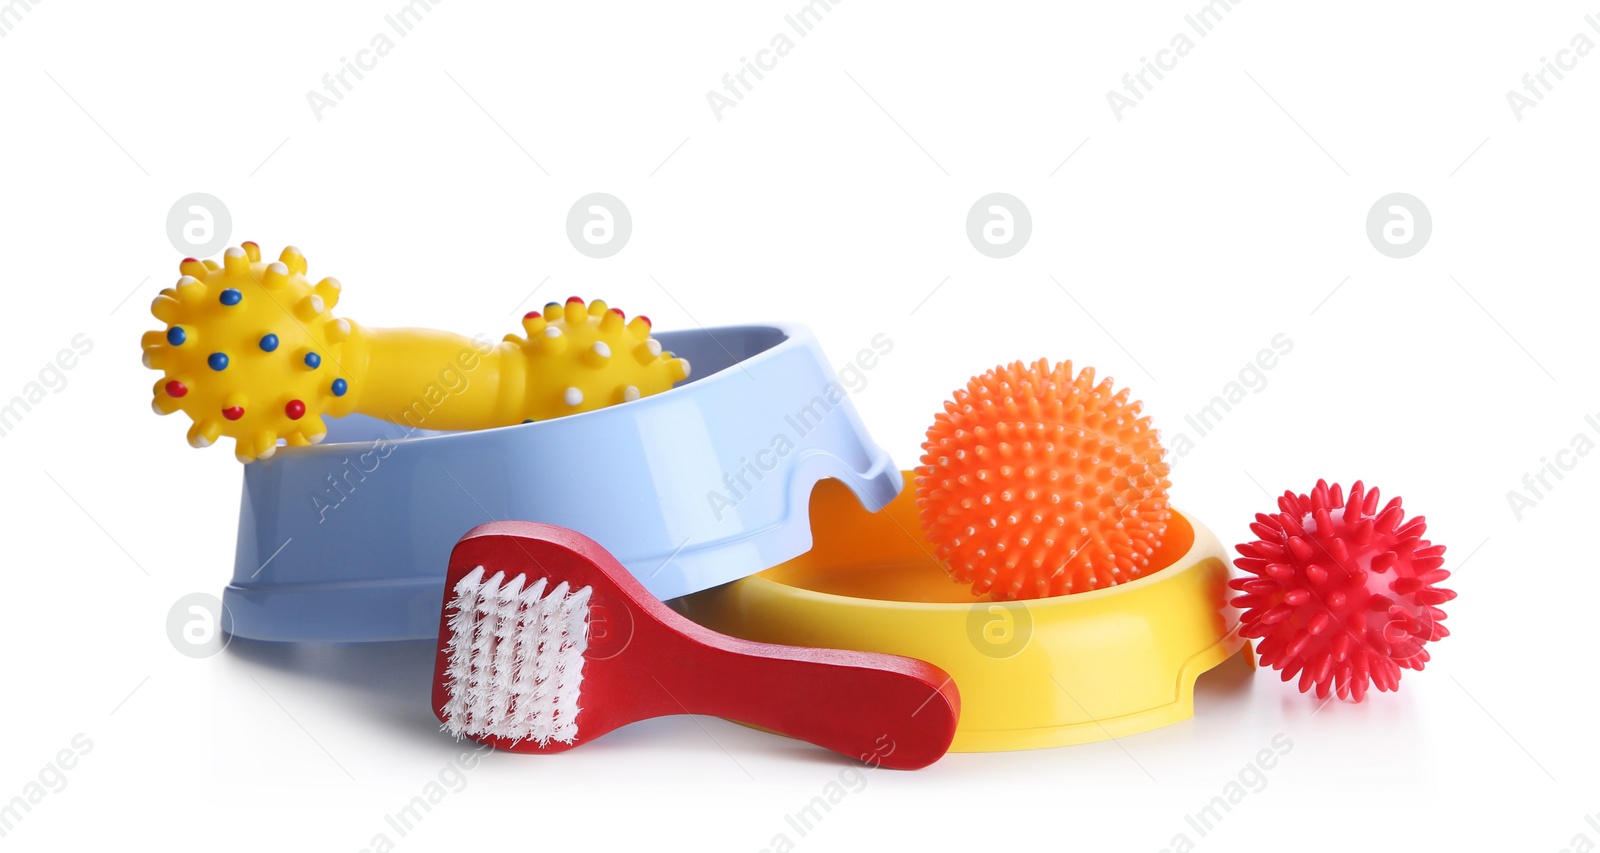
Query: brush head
[536, 617]
[515, 653]
[1342, 593]
[1037, 482]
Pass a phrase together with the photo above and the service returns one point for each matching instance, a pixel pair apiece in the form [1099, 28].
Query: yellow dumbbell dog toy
[253, 352]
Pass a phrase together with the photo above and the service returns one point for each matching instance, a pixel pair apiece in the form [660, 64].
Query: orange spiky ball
[1037, 482]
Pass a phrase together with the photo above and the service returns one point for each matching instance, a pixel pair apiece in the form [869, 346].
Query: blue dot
[528, 421]
[269, 342]
[230, 297]
[339, 387]
[218, 361]
[313, 360]
[176, 336]
[549, 305]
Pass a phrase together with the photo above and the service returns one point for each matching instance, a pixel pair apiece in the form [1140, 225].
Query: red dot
[176, 389]
[618, 312]
[295, 410]
[572, 299]
[233, 413]
[646, 320]
[532, 314]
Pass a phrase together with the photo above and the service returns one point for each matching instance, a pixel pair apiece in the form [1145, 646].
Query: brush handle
[879, 709]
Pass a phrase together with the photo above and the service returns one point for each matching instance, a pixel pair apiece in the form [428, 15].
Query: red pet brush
[1343, 594]
[547, 642]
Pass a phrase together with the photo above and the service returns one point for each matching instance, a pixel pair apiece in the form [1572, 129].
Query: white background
[1226, 208]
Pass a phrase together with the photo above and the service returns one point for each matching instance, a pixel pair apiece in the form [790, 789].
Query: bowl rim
[1200, 545]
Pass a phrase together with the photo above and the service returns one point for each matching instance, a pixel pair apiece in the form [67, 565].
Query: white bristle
[515, 658]
[463, 618]
[505, 644]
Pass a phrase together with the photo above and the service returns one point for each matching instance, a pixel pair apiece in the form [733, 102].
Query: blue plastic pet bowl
[709, 482]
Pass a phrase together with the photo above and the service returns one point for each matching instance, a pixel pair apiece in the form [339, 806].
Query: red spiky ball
[1341, 594]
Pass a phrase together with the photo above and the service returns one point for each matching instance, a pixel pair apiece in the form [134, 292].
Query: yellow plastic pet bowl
[1032, 674]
